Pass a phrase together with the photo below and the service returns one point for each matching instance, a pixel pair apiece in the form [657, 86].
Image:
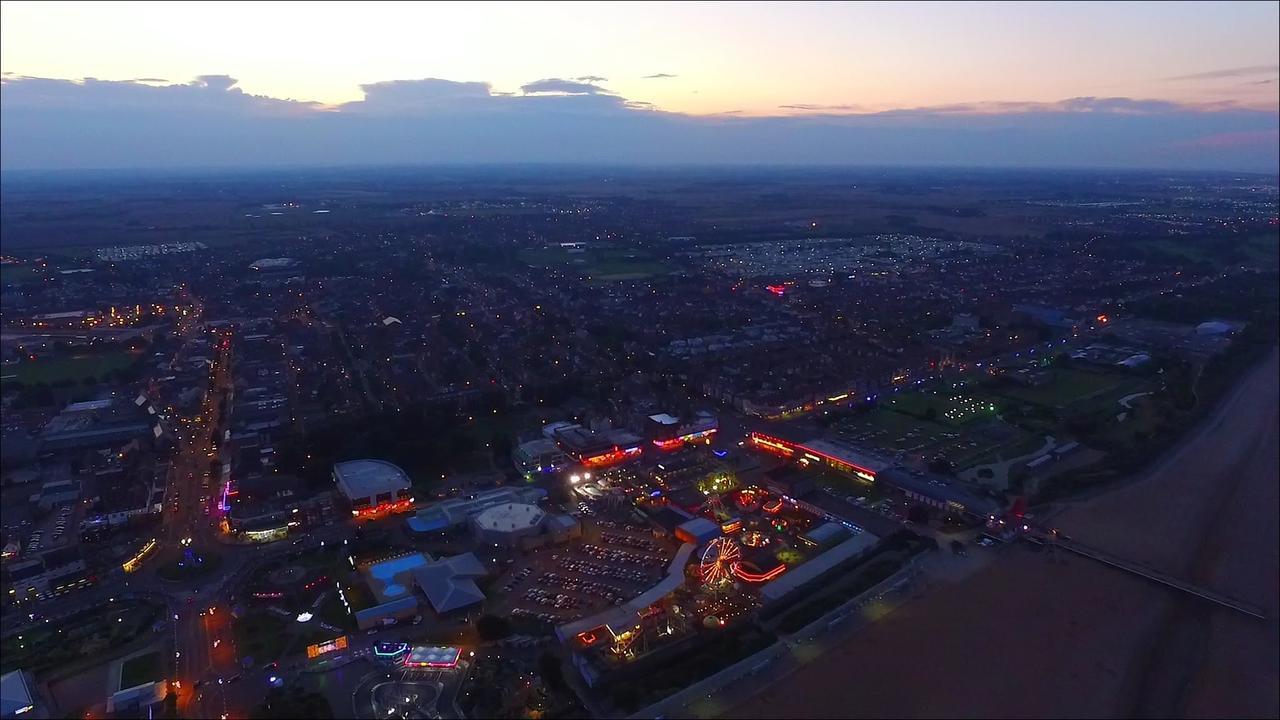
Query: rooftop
[366, 478]
[510, 517]
[449, 583]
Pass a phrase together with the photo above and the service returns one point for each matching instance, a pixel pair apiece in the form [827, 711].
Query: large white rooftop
[510, 517]
[367, 478]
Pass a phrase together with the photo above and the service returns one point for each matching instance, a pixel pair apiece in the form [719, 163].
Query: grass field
[951, 408]
[261, 635]
[600, 264]
[93, 633]
[141, 669]
[1066, 386]
[891, 430]
[18, 275]
[1262, 248]
[75, 368]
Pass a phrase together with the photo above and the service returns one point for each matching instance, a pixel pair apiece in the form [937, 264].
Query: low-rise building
[374, 488]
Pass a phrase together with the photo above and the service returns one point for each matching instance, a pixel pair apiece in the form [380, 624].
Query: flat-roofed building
[373, 487]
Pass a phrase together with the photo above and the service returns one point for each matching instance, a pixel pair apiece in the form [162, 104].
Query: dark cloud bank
[209, 122]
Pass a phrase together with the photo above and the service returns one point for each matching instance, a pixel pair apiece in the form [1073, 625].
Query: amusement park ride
[722, 563]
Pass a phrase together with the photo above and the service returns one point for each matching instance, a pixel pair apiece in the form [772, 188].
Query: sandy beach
[1050, 635]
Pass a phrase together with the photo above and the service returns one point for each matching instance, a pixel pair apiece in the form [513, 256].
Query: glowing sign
[328, 646]
[436, 657]
[390, 649]
[132, 563]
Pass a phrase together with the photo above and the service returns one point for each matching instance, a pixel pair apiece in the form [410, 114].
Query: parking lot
[57, 529]
[613, 562]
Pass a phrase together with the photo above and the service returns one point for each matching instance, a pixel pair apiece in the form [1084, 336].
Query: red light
[753, 577]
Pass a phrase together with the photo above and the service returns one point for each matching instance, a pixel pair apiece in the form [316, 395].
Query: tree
[292, 703]
[918, 514]
[492, 627]
[931, 413]
[551, 672]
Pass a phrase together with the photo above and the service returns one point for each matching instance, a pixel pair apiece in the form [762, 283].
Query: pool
[387, 571]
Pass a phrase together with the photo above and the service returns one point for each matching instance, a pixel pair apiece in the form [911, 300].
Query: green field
[1066, 386]
[950, 408]
[1262, 248]
[890, 429]
[95, 633]
[74, 369]
[261, 635]
[18, 275]
[141, 669]
[598, 263]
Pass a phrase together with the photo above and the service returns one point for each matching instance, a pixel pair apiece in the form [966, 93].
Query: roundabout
[405, 699]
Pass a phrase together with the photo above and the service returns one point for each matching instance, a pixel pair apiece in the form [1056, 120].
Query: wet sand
[1048, 635]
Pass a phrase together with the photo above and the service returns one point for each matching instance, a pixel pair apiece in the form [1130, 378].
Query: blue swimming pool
[386, 571]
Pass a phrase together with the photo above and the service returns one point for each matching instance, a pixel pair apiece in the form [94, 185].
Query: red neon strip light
[394, 506]
[757, 577]
[792, 448]
[772, 506]
[615, 455]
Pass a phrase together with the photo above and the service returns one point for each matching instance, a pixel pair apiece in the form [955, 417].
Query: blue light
[720, 453]
[655, 493]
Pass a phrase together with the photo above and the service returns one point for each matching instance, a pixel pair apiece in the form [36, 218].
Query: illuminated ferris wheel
[718, 560]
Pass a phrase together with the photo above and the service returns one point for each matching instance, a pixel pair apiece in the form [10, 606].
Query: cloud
[594, 79]
[1262, 82]
[149, 80]
[395, 97]
[48, 123]
[1228, 73]
[658, 76]
[562, 86]
[808, 107]
[1102, 105]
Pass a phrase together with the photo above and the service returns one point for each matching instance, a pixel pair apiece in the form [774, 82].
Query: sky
[1174, 84]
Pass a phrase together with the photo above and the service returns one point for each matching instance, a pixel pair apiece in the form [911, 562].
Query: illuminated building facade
[825, 452]
[596, 449]
[326, 647]
[374, 488]
[668, 433]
